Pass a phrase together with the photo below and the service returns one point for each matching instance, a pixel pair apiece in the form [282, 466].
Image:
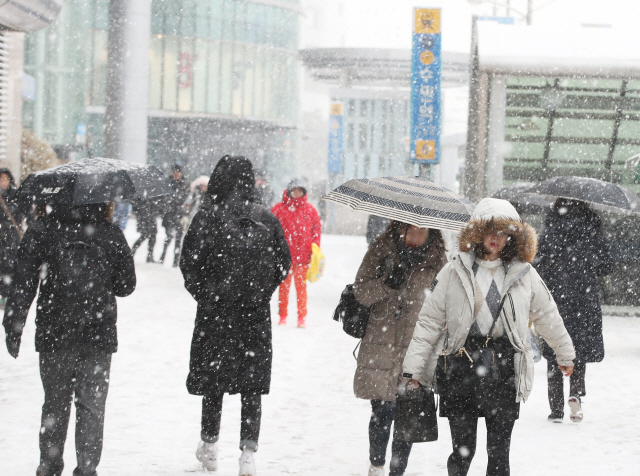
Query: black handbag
[353, 315]
[458, 374]
[416, 420]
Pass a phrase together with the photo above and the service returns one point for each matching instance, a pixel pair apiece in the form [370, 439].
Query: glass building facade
[563, 126]
[375, 134]
[223, 78]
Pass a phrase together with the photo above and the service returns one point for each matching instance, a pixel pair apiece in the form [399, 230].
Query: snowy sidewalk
[312, 424]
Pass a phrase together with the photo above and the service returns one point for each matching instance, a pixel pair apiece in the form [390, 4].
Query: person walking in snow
[573, 253]
[234, 257]
[81, 262]
[471, 334]
[10, 221]
[302, 228]
[173, 212]
[146, 212]
[399, 265]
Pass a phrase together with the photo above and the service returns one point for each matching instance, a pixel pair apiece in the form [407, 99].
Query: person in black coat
[146, 212]
[81, 262]
[234, 257]
[173, 212]
[10, 220]
[572, 253]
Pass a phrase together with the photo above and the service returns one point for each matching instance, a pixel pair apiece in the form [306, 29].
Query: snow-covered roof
[543, 51]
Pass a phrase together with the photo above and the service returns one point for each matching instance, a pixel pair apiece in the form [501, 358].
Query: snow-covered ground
[312, 424]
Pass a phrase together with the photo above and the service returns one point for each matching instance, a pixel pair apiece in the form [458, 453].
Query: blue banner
[334, 162]
[426, 71]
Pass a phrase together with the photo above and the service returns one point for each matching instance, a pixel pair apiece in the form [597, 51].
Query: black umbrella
[523, 202]
[95, 180]
[603, 196]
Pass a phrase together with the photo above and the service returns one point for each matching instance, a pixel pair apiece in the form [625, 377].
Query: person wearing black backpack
[81, 262]
[234, 257]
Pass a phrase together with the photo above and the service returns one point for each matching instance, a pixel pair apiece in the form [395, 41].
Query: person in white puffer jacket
[470, 339]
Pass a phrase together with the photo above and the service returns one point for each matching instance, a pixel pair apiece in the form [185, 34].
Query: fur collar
[525, 235]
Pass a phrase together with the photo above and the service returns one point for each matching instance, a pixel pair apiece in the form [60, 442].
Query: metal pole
[508, 8]
[529, 11]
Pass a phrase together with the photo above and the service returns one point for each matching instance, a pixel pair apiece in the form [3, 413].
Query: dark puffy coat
[173, 203]
[231, 346]
[146, 213]
[9, 237]
[35, 255]
[572, 254]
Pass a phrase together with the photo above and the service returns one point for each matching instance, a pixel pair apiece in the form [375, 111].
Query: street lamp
[507, 5]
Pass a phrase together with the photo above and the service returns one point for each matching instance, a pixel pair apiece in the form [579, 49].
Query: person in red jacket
[302, 228]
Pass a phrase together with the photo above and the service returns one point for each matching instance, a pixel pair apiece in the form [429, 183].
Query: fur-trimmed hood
[504, 220]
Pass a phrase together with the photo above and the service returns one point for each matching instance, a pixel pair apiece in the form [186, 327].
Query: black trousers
[464, 433]
[250, 415]
[555, 380]
[173, 232]
[82, 377]
[382, 416]
[151, 236]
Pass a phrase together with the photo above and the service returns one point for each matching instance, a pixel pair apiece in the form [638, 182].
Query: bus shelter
[546, 102]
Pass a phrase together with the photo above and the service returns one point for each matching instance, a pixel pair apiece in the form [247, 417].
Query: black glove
[397, 276]
[13, 346]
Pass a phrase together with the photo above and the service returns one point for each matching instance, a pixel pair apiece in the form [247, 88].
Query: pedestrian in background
[400, 264]
[10, 231]
[302, 228]
[174, 210]
[263, 192]
[80, 262]
[471, 334]
[234, 257]
[573, 253]
[146, 212]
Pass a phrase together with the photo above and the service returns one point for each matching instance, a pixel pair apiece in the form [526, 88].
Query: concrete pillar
[495, 145]
[13, 128]
[128, 80]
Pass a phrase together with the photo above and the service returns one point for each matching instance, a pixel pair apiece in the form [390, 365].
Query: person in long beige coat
[393, 279]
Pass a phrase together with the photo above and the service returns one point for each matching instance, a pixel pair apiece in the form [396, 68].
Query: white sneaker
[576, 409]
[376, 470]
[247, 463]
[207, 454]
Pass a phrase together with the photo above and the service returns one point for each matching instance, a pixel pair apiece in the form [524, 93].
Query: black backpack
[243, 258]
[354, 316]
[82, 275]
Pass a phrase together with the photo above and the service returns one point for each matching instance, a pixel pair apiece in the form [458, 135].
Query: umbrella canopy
[604, 196]
[412, 200]
[523, 202]
[94, 180]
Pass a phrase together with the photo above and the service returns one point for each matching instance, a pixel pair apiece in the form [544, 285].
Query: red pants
[298, 273]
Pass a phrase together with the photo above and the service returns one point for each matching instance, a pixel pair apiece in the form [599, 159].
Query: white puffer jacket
[448, 310]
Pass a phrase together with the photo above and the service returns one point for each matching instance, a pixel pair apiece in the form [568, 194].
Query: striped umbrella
[410, 200]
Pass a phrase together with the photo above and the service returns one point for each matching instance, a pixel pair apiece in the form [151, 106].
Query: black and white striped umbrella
[412, 200]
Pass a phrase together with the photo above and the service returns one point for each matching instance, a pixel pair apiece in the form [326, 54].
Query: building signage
[426, 69]
[334, 162]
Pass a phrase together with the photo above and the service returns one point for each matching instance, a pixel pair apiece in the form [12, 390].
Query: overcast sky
[387, 23]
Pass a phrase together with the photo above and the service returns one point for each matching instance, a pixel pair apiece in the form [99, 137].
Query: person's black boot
[150, 258]
[556, 417]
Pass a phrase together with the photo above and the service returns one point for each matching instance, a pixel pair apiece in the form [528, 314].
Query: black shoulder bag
[354, 316]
